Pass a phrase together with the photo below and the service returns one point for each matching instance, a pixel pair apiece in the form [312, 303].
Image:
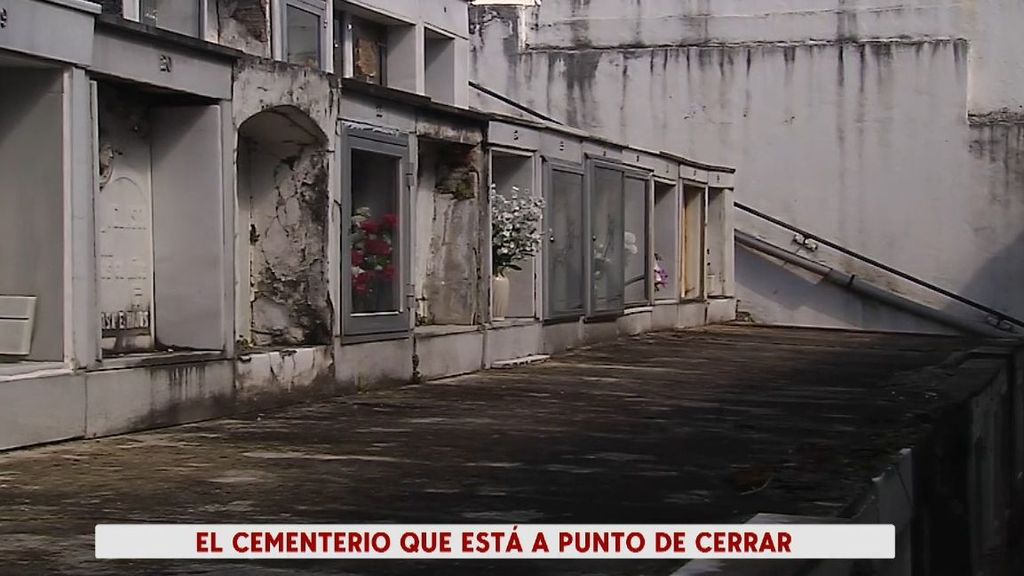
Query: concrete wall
[891, 127]
[188, 227]
[448, 208]
[32, 200]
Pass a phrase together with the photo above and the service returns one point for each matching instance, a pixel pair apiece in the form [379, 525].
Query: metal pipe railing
[506, 100]
[1000, 316]
[869, 290]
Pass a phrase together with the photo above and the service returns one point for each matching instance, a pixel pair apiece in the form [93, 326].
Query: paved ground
[683, 427]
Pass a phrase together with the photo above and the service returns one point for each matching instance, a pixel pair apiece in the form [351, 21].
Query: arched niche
[282, 239]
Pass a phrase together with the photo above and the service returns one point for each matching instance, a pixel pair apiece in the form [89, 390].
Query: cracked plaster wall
[288, 245]
[448, 205]
[285, 162]
[845, 117]
[261, 84]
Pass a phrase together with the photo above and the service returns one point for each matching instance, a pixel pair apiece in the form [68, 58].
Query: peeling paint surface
[261, 84]
[285, 374]
[284, 158]
[288, 242]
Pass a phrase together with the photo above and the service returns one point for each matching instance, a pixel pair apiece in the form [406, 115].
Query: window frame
[675, 194]
[693, 196]
[551, 165]
[648, 253]
[350, 24]
[592, 164]
[380, 325]
[132, 10]
[325, 45]
[537, 260]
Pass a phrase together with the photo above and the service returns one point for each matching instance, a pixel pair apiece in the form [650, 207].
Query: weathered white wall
[188, 227]
[845, 117]
[32, 199]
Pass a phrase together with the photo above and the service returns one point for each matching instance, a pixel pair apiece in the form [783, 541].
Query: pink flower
[389, 221]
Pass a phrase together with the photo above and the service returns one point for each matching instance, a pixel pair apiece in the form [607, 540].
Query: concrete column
[81, 326]
[720, 248]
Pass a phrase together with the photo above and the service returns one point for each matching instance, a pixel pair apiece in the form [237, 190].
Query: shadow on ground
[684, 427]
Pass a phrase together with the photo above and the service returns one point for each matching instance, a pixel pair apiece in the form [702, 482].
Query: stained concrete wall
[32, 200]
[845, 117]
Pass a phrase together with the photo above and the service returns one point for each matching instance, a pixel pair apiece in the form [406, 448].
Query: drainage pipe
[854, 284]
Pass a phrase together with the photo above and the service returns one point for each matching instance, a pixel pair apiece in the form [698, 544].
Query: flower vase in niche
[373, 265]
[499, 289]
[515, 237]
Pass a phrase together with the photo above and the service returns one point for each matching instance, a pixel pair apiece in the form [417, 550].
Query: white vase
[499, 293]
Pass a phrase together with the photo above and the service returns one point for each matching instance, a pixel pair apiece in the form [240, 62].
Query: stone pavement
[687, 427]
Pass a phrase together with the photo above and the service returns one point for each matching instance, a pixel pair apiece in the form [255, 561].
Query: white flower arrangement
[630, 245]
[515, 228]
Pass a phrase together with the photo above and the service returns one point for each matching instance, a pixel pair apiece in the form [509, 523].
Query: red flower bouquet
[373, 266]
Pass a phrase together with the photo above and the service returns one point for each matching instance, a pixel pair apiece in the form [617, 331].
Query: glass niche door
[563, 244]
[636, 245]
[374, 234]
[606, 235]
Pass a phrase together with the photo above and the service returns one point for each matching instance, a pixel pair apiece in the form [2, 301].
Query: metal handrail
[518, 106]
[1001, 316]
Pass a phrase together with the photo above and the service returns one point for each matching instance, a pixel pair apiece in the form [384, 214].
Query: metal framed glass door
[605, 237]
[637, 245]
[375, 234]
[563, 245]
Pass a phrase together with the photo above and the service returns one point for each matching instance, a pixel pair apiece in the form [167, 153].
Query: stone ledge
[524, 361]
